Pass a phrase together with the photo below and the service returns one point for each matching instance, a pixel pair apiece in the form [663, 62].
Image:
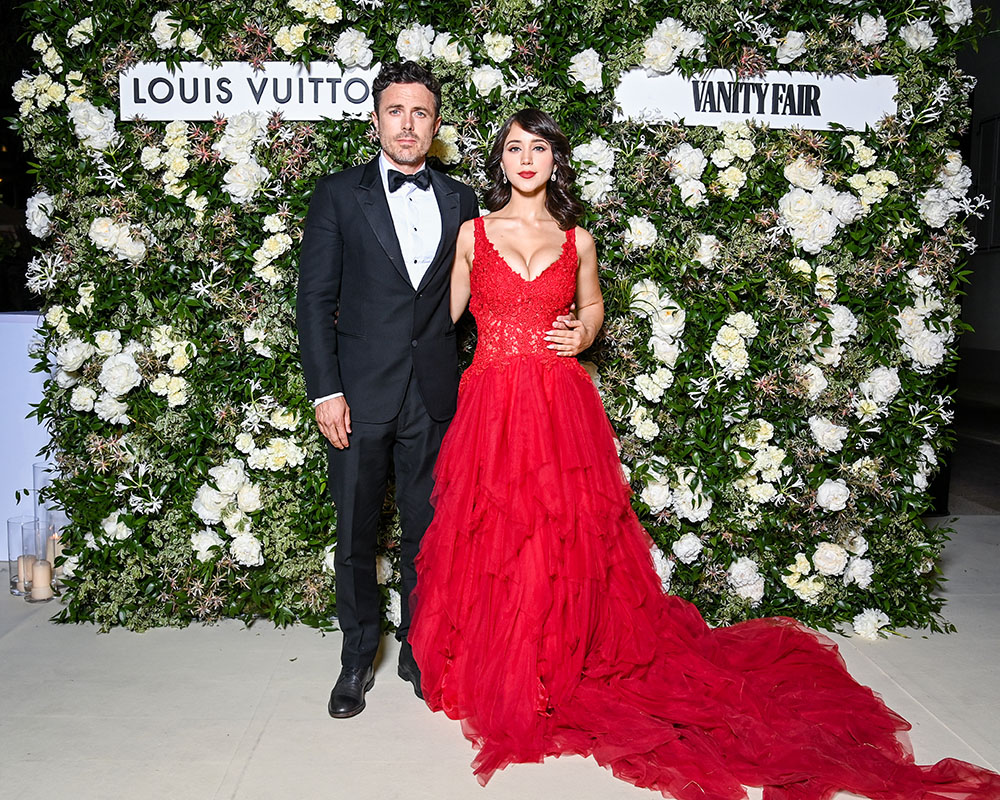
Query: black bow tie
[422, 179]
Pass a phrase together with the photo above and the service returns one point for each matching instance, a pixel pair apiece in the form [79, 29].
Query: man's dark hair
[407, 72]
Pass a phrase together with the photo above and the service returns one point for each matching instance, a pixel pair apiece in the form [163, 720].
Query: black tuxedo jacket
[362, 326]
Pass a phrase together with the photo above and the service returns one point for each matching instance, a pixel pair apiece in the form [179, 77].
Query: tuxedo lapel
[371, 197]
[448, 204]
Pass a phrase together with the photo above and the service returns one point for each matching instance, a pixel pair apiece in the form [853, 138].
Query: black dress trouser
[358, 481]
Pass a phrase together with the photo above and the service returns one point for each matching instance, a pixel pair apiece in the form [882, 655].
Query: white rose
[486, 79]
[115, 528]
[743, 148]
[926, 349]
[353, 48]
[111, 410]
[744, 324]
[645, 297]
[829, 558]
[745, 579]
[833, 495]
[803, 174]
[208, 504]
[95, 127]
[242, 181]
[330, 558]
[119, 375]
[687, 548]
[39, 208]
[641, 232]
[383, 570]
[762, 492]
[957, 13]
[498, 47]
[596, 154]
[869, 30]
[689, 501]
[394, 606]
[235, 521]
[65, 380]
[73, 353]
[290, 38]
[657, 496]
[596, 186]
[869, 623]
[81, 33]
[414, 43]
[244, 442]
[957, 185]
[936, 207]
[448, 49]
[843, 322]
[708, 249]
[686, 162]
[203, 541]
[663, 567]
[918, 35]
[82, 399]
[859, 571]
[229, 476]
[692, 192]
[164, 27]
[882, 385]
[129, 249]
[665, 350]
[732, 179]
[790, 46]
[104, 232]
[191, 41]
[585, 67]
[827, 435]
[246, 549]
[668, 323]
[722, 157]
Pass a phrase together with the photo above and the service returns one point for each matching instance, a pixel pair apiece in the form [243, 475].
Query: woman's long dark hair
[560, 201]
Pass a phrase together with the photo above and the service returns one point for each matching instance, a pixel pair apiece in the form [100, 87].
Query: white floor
[230, 712]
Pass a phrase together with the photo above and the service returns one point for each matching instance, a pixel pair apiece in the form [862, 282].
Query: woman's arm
[461, 269]
[580, 333]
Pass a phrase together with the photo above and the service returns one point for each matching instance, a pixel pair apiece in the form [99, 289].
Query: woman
[540, 622]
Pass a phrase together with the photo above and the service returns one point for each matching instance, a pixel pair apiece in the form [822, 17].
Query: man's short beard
[407, 157]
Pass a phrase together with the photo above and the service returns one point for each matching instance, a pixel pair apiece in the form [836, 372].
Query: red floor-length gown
[541, 624]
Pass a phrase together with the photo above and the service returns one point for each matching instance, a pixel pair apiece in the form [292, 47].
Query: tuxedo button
[413, 343]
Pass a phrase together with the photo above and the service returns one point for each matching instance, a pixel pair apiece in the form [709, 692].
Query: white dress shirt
[417, 220]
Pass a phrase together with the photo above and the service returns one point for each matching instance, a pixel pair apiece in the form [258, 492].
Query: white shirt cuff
[323, 399]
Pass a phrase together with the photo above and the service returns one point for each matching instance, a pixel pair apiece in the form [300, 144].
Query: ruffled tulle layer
[541, 625]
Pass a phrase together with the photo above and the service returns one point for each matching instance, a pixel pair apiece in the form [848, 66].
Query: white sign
[198, 91]
[779, 99]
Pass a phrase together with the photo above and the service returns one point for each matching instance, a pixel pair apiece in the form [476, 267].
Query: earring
[552, 177]
[504, 173]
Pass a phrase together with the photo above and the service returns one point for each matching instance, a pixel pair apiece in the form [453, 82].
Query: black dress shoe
[408, 669]
[348, 696]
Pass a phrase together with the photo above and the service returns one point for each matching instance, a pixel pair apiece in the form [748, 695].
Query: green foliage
[132, 487]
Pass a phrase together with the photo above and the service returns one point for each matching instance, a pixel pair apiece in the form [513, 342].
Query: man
[379, 353]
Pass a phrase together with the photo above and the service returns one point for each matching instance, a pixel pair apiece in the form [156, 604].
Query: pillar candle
[41, 580]
[24, 567]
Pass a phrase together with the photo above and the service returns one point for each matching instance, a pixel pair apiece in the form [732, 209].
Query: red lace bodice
[512, 313]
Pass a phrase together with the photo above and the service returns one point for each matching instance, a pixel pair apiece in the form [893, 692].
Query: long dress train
[541, 625]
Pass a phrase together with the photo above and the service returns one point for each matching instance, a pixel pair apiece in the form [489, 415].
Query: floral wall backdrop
[781, 303]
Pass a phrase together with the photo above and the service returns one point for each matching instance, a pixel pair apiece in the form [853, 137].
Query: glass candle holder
[18, 565]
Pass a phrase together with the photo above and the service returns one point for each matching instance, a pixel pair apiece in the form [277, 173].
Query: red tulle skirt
[540, 623]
